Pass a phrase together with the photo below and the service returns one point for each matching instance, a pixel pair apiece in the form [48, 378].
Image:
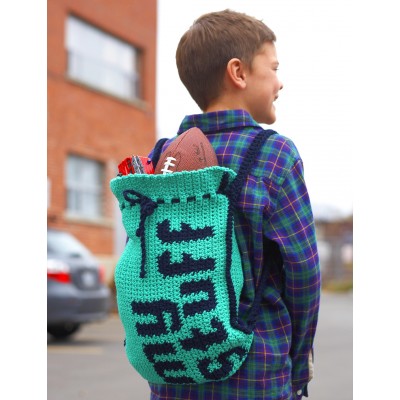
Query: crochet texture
[179, 278]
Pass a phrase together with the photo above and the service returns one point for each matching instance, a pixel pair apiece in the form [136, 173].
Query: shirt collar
[218, 121]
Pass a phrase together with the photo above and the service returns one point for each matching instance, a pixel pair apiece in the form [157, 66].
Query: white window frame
[84, 187]
[102, 61]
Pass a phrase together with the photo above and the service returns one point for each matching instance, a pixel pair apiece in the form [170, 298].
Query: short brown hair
[205, 49]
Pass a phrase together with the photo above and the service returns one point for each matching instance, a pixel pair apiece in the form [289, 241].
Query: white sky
[313, 45]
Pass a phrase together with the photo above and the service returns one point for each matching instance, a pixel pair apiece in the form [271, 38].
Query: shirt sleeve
[291, 226]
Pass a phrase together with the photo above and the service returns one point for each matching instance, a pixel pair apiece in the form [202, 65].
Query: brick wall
[89, 123]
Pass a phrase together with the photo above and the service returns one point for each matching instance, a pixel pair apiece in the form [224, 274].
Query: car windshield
[65, 244]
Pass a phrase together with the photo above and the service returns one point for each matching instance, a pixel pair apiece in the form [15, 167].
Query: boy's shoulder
[276, 158]
[282, 147]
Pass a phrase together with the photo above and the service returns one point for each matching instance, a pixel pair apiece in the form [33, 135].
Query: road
[93, 366]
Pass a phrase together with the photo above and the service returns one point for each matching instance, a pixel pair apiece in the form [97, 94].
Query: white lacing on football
[169, 162]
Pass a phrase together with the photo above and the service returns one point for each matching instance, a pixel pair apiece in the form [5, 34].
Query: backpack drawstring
[147, 207]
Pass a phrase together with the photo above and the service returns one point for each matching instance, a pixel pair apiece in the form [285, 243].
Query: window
[84, 187]
[101, 60]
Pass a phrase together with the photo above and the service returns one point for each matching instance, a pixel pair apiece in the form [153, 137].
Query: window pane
[101, 60]
[84, 187]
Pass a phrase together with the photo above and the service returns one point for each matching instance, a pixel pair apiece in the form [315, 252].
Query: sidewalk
[94, 366]
[333, 349]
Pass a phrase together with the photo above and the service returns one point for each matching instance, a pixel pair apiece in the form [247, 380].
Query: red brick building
[101, 108]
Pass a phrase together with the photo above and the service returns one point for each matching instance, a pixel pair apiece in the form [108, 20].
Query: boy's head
[218, 54]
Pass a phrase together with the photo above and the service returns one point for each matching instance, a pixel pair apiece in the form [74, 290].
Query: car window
[65, 244]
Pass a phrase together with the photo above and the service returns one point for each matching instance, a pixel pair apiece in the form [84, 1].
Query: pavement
[93, 365]
[333, 349]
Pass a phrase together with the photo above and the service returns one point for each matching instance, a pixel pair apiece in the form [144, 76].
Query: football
[191, 150]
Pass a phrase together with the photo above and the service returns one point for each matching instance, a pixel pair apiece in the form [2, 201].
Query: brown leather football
[191, 150]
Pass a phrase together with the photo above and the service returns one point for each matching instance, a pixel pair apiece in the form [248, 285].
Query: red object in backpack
[136, 165]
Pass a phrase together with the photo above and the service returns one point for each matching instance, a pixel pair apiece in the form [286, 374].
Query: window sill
[140, 104]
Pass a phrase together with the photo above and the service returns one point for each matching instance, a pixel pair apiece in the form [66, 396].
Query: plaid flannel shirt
[274, 204]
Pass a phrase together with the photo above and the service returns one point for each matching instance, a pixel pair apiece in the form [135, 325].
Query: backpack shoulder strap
[157, 151]
[233, 193]
[249, 160]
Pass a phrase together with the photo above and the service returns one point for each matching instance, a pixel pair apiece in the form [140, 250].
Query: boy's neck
[225, 104]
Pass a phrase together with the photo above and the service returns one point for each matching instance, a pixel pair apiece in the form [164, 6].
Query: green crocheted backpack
[180, 276]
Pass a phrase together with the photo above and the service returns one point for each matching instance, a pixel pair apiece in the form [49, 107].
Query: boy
[228, 63]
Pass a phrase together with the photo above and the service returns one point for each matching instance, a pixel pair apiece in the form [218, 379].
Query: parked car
[76, 289]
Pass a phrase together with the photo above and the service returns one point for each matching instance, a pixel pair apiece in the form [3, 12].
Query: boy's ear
[236, 73]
